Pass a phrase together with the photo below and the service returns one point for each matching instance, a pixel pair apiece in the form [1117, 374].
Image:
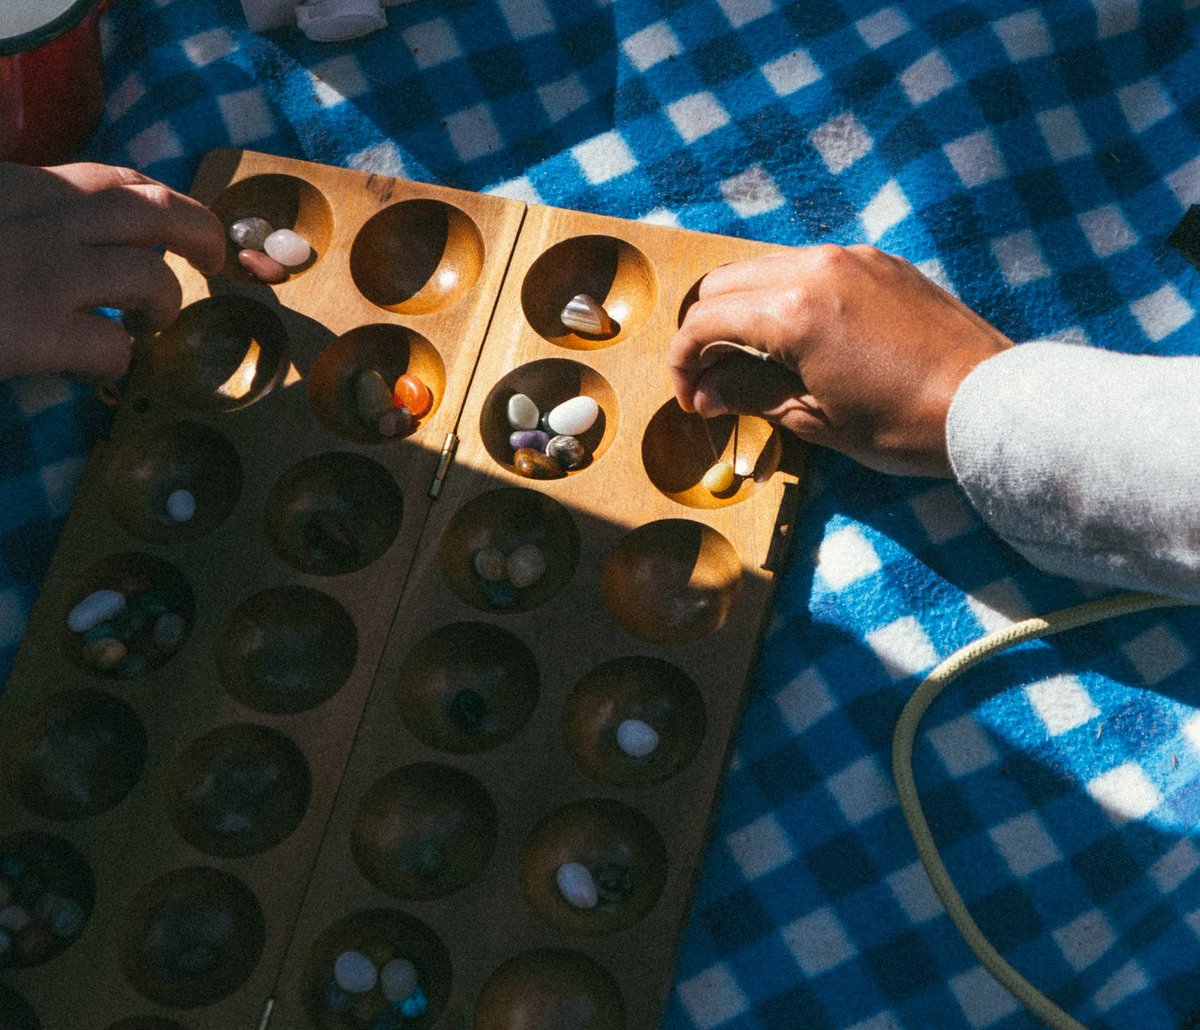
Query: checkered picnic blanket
[1032, 158]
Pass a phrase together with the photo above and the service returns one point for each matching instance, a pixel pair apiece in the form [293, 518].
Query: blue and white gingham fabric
[1032, 158]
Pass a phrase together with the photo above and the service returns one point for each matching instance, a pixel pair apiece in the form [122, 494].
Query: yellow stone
[719, 478]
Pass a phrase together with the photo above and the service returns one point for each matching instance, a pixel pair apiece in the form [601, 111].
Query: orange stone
[413, 394]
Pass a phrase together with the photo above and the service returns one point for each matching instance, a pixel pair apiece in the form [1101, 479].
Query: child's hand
[865, 352]
[81, 236]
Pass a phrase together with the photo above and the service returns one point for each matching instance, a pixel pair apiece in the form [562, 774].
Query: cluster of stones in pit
[607, 884]
[266, 252]
[34, 919]
[504, 568]
[546, 445]
[376, 991]
[126, 632]
[390, 410]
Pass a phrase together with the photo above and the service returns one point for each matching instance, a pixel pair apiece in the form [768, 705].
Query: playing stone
[99, 606]
[533, 438]
[574, 417]
[288, 248]
[535, 465]
[397, 422]
[489, 563]
[719, 478]
[354, 972]
[181, 505]
[398, 978]
[522, 412]
[262, 266]
[413, 394]
[636, 738]
[525, 566]
[568, 451]
[584, 315]
[576, 885]
[372, 396]
[251, 232]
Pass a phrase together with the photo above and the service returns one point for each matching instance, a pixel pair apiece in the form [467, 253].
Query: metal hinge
[443, 466]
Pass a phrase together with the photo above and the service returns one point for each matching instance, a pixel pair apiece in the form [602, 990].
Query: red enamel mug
[51, 78]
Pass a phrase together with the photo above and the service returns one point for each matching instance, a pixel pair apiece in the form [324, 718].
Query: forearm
[1086, 461]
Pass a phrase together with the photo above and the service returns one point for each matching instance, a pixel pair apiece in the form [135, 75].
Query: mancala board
[346, 741]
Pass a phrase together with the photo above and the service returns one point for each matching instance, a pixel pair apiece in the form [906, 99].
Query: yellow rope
[910, 802]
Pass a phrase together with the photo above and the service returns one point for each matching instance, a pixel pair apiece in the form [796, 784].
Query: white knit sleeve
[1086, 461]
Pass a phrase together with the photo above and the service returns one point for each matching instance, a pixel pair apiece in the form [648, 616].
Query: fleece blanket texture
[1033, 158]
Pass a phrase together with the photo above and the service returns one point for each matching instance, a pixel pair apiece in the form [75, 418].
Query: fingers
[148, 214]
[89, 345]
[771, 321]
[770, 391]
[136, 281]
[776, 270]
[90, 177]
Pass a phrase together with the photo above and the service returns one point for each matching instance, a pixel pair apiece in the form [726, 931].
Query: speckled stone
[535, 465]
[251, 232]
[568, 451]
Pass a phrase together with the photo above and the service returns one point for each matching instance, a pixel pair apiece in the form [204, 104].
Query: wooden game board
[652, 607]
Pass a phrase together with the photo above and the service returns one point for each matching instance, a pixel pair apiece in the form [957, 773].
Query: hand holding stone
[865, 352]
[80, 236]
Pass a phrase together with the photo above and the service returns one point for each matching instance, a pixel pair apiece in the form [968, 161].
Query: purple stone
[535, 438]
